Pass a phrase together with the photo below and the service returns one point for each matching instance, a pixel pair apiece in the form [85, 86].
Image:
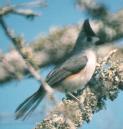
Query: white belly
[80, 79]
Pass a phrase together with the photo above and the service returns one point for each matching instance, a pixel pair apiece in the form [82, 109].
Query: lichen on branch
[105, 84]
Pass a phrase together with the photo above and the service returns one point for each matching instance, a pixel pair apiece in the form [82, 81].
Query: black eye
[89, 39]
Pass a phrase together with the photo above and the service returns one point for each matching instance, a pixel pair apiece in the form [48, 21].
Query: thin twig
[18, 46]
[13, 10]
[18, 8]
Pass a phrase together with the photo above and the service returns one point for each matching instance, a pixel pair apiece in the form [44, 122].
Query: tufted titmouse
[72, 74]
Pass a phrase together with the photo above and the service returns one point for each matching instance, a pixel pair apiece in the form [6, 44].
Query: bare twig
[18, 45]
[15, 9]
[9, 9]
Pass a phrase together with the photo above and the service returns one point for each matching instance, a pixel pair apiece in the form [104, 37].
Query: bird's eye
[89, 39]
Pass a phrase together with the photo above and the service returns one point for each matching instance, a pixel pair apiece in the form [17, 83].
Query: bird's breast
[80, 79]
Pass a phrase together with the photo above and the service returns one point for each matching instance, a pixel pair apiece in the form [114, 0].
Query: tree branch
[18, 9]
[24, 12]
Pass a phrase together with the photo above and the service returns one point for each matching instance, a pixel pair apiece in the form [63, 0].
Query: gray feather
[69, 67]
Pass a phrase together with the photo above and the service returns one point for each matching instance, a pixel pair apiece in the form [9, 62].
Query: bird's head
[87, 37]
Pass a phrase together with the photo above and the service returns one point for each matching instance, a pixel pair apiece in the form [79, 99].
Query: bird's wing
[73, 65]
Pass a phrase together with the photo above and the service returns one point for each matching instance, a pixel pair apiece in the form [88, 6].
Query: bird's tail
[28, 106]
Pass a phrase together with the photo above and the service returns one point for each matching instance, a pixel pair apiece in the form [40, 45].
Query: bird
[71, 74]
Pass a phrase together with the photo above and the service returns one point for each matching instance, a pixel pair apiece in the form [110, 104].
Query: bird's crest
[87, 28]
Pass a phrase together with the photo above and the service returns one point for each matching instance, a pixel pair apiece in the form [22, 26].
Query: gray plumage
[69, 67]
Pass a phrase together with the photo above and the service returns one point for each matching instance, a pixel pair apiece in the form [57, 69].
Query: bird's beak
[96, 39]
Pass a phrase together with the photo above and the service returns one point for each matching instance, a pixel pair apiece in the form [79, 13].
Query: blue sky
[58, 13]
